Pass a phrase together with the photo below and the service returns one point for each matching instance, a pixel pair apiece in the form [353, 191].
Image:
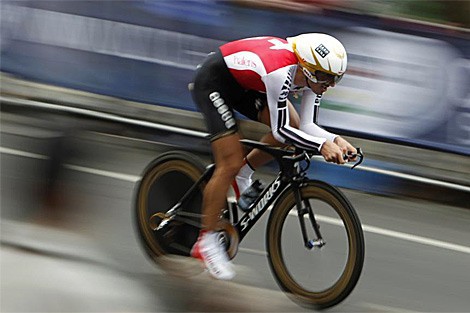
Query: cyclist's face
[318, 81]
[325, 78]
[324, 81]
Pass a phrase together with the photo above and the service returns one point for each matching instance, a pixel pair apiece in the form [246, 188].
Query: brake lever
[359, 154]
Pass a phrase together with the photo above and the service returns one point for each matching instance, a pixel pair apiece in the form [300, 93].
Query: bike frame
[287, 178]
[291, 176]
[260, 206]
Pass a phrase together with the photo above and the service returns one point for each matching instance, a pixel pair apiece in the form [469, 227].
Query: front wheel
[318, 277]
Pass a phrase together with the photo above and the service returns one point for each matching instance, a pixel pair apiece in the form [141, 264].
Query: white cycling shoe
[208, 249]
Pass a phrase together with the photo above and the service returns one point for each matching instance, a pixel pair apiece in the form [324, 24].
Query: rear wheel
[319, 277]
[163, 184]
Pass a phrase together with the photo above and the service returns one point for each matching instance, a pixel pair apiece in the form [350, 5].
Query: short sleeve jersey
[268, 64]
[251, 60]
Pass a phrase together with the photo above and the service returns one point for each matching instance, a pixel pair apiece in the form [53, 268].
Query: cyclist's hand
[332, 152]
[346, 148]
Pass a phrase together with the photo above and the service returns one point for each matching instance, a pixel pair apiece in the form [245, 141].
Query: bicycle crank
[228, 236]
[159, 220]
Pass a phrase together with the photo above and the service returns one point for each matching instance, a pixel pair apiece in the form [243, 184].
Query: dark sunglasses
[320, 77]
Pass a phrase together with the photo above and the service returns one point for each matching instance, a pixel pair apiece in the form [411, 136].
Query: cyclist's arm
[278, 85]
[309, 108]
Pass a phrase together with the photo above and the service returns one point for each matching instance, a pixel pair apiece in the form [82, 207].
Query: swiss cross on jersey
[249, 60]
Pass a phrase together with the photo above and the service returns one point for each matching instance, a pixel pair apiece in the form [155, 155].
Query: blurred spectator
[55, 190]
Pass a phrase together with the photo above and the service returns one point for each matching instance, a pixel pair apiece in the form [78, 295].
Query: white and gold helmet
[320, 52]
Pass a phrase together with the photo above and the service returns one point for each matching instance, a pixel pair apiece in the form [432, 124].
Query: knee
[230, 168]
[234, 166]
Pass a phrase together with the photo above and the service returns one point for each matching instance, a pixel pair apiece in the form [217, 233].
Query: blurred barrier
[388, 169]
[404, 85]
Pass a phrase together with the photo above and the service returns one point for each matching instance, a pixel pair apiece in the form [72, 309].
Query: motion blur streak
[91, 92]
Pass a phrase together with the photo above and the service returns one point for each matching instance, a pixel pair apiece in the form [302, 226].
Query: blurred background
[92, 91]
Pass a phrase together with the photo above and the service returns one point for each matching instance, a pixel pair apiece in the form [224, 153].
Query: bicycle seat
[277, 152]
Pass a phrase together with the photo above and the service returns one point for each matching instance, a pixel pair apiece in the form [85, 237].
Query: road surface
[85, 257]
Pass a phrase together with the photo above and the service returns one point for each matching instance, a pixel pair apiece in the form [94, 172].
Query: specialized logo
[261, 204]
[224, 111]
[322, 50]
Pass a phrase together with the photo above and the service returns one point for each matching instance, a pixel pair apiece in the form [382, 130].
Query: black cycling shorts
[217, 94]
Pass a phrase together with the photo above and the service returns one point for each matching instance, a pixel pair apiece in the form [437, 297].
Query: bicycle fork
[304, 207]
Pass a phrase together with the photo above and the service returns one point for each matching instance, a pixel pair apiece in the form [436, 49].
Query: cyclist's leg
[228, 155]
[214, 91]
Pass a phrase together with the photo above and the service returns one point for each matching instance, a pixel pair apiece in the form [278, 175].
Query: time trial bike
[314, 238]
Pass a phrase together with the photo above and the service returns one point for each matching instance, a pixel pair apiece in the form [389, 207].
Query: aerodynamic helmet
[320, 52]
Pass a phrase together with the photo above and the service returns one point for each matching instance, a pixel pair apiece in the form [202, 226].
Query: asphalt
[86, 257]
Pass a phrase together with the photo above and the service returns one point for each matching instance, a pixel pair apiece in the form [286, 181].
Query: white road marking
[400, 235]
[253, 251]
[382, 308]
[329, 220]
[416, 178]
[417, 239]
[88, 170]
[94, 171]
[22, 153]
[411, 177]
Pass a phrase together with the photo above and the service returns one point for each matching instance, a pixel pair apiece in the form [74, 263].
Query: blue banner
[404, 83]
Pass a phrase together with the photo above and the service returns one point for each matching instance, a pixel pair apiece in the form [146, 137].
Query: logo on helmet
[322, 50]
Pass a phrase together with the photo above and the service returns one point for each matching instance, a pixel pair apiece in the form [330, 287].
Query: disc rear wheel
[163, 184]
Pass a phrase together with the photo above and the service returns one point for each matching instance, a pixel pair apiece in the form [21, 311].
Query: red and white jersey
[252, 60]
[268, 64]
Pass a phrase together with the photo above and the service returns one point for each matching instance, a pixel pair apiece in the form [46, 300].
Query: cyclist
[254, 76]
